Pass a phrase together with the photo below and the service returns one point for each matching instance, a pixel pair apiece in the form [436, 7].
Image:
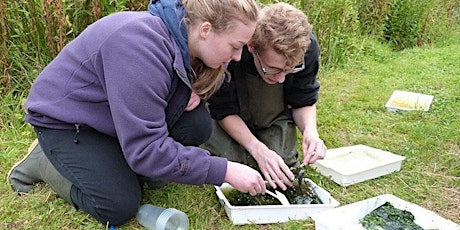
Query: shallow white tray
[347, 217]
[265, 214]
[407, 101]
[353, 164]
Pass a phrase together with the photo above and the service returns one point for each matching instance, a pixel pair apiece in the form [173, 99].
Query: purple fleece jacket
[116, 77]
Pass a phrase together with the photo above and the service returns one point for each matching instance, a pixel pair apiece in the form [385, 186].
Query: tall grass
[336, 24]
[36, 30]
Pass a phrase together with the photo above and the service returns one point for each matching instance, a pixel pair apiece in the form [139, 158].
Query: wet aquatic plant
[237, 198]
[388, 217]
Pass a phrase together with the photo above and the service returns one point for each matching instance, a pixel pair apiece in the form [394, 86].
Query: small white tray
[353, 164]
[407, 101]
[348, 217]
[265, 214]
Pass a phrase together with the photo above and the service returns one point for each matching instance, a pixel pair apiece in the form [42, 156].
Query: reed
[3, 49]
[37, 30]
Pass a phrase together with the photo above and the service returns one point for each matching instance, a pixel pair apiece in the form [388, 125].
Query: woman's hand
[193, 102]
[244, 178]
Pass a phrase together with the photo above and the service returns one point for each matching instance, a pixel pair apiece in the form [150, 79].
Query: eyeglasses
[278, 70]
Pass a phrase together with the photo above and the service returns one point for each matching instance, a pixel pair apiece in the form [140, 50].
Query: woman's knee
[116, 212]
[200, 134]
[122, 212]
[116, 208]
[194, 127]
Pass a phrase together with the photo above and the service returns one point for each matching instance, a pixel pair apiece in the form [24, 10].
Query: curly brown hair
[284, 28]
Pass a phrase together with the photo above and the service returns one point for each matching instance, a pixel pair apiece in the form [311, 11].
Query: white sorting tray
[407, 101]
[353, 164]
[265, 214]
[348, 217]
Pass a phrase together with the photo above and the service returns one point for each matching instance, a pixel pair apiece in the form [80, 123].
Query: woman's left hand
[193, 102]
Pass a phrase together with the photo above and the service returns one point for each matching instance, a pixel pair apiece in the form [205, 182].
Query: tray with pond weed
[297, 194]
[356, 215]
[387, 216]
[242, 208]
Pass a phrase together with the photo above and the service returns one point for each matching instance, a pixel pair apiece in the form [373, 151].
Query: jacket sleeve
[305, 87]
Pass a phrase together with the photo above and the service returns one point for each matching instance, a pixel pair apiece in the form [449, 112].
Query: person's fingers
[253, 192]
[309, 157]
[279, 182]
[257, 188]
[269, 179]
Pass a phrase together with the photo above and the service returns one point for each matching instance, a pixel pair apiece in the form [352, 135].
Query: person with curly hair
[272, 92]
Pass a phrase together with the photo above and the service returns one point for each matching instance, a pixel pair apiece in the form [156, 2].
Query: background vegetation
[369, 49]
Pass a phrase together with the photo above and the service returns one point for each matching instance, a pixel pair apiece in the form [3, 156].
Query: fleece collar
[172, 13]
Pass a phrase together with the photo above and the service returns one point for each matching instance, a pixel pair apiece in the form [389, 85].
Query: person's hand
[272, 166]
[244, 178]
[313, 149]
[193, 102]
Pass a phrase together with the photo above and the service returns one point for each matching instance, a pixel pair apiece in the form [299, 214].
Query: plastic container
[408, 101]
[353, 164]
[348, 217]
[158, 218]
[267, 214]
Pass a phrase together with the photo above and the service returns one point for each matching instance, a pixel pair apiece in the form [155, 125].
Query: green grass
[350, 111]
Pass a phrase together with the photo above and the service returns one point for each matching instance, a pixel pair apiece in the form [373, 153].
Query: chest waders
[263, 109]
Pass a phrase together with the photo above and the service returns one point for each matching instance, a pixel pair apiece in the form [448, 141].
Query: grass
[350, 111]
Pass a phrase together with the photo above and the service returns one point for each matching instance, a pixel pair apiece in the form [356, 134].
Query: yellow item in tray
[406, 101]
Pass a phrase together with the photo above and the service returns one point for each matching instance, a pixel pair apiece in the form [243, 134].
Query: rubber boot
[24, 174]
[35, 167]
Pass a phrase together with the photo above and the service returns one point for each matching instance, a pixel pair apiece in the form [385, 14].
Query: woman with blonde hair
[114, 109]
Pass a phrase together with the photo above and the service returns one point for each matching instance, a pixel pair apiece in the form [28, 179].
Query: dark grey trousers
[103, 184]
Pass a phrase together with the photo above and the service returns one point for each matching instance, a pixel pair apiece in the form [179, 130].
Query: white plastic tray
[347, 217]
[265, 214]
[407, 101]
[353, 164]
